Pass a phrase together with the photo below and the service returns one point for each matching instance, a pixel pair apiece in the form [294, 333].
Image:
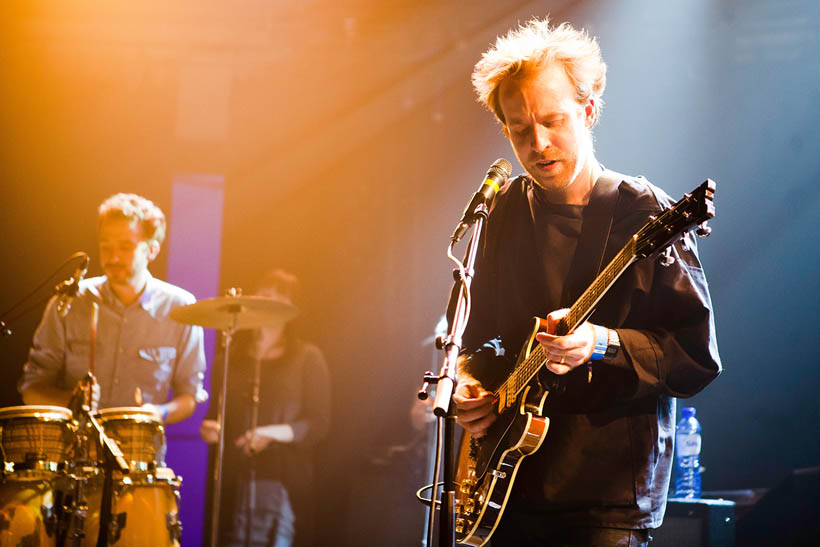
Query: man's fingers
[475, 412]
[478, 428]
[467, 403]
[558, 368]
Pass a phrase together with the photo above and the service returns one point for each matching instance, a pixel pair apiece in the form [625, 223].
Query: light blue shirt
[136, 345]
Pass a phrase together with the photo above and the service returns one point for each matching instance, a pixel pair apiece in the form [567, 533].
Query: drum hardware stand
[74, 511]
[112, 458]
[227, 335]
[446, 382]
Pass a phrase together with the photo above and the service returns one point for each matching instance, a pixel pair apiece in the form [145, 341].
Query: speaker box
[696, 523]
[788, 514]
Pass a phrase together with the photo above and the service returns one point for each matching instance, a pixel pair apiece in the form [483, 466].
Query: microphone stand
[257, 373]
[446, 382]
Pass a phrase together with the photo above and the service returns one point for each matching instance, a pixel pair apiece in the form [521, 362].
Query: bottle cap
[688, 412]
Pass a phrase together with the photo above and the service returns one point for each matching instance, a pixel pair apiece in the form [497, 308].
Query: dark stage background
[349, 141]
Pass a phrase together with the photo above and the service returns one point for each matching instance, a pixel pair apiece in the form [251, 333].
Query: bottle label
[688, 445]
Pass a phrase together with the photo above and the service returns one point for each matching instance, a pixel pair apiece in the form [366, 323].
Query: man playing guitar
[601, 473]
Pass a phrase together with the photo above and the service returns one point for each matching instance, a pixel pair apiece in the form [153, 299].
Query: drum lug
[49, 519]
[115, 527]
[174, 526]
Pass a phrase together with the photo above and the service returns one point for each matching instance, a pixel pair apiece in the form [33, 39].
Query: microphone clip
[67, 290]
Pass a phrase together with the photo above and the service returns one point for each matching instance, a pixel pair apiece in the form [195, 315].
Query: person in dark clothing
[602, 473]
[274, 460]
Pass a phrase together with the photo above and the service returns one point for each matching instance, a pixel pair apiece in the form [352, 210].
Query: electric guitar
[487, 467]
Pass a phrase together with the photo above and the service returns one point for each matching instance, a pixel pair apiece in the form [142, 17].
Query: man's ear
[153, 249]
[589, 113]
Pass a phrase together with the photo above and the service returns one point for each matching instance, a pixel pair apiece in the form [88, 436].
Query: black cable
[34, 306]
[39, 287]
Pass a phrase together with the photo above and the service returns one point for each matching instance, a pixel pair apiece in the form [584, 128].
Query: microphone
[68, 289]
[497, 174]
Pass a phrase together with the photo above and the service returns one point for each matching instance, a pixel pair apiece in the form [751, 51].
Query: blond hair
[135, 209]
[534, 45]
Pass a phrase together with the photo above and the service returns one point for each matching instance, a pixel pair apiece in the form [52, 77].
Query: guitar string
[524, 372]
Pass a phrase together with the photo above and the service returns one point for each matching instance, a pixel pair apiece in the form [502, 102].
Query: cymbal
[237, 312]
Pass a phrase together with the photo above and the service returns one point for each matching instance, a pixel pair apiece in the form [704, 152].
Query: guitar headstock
[664, 229]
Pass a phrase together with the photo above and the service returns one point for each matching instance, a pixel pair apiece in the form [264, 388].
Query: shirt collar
[145, 300]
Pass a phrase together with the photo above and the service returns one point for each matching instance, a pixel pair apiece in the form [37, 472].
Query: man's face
[124, 253]
[548, 128]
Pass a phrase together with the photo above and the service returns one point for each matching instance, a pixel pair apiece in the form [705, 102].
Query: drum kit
[81, 477]
[54, 480]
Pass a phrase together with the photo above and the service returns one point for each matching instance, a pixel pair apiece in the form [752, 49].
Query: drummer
[137, 345]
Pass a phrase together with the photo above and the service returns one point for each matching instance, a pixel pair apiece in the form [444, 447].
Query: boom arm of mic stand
[448, 378]
[447, 382]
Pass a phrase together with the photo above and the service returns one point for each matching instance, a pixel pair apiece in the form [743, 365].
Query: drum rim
[44, 412]
[131, 413]
[136, 411]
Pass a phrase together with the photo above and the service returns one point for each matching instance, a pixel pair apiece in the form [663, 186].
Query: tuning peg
[666, 257]
[703, 230]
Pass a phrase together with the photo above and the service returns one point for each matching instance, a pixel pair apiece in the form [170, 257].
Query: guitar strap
[595, 231]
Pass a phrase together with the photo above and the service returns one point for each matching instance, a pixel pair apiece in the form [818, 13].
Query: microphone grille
[502, 167]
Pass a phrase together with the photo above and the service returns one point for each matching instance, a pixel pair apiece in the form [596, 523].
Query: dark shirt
[295, 390]
[607, 458]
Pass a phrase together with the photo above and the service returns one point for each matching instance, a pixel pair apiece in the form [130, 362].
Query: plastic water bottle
[687, 455]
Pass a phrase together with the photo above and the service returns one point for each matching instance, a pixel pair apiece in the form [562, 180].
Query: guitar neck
[582, 308]
[585, 304]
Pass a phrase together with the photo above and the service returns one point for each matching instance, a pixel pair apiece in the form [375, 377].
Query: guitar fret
[521, 376]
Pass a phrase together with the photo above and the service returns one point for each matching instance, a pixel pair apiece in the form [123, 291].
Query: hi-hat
[235, 312]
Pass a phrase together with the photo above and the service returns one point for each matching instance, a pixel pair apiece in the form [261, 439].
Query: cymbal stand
[220, 445]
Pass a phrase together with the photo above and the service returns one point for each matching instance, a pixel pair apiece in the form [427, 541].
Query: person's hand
[209, 431]
[160, 410]
[474, 406]
[86, 390]
[253, 442]
[564, 353]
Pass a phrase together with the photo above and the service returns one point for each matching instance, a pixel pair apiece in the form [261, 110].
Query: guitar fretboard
[580, 310]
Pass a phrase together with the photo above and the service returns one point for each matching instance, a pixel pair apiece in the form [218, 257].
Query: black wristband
[613, 345]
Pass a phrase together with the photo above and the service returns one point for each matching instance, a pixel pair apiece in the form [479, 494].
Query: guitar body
[487, 467]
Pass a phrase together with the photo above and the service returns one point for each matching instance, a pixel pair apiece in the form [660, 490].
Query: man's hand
[209, 431]
[564, 353]
[252, 442]
[474, 406]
